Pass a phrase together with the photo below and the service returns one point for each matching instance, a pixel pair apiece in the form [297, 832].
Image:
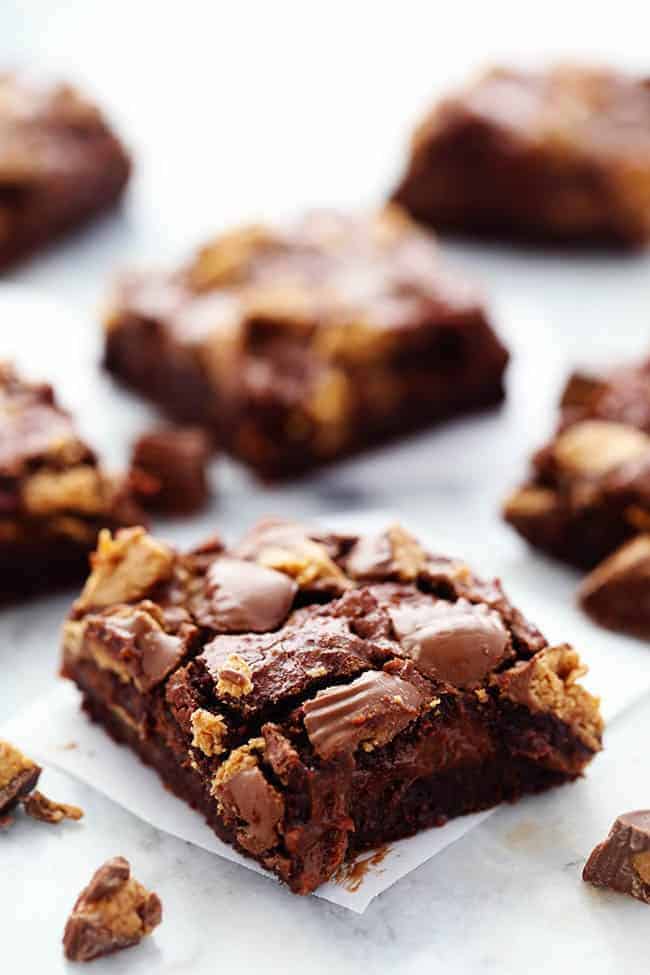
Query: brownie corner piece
[314, 694]
[561, 154]
[60, 163]
[55, 496]
[299, 345]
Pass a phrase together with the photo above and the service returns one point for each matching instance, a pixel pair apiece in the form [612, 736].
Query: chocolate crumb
[113, 912]
[46, 810]
[18, 776]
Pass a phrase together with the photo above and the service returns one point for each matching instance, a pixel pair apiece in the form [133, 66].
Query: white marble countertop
[236, 111]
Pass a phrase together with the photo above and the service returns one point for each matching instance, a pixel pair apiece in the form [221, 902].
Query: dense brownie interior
[300, 345]
[316, 694]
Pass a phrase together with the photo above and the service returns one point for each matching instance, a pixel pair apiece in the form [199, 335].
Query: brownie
[589, 489]
[559, 155]
[297, 346]
[54, 495]
[169, 467]
[616, 593]
[314, 695]
[60, 163]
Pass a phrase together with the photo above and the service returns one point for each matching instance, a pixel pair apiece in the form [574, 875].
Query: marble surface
[238, 111]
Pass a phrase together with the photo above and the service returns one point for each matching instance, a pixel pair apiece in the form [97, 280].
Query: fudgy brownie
[315, 695]
[589, 490]
[54, 496]
[298, 346]
[557, 155]
[60, 164]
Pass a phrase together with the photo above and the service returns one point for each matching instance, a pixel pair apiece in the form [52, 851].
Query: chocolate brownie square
[297, 346]
[557, 155]
[54, 495]
[60, 163]
[314, 695]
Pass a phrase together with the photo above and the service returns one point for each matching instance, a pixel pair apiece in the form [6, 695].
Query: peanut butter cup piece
[617, 593]
[370, 711]
[18, 776]
[113, 912]
[622, 861]
[460, 643]
[240, 596]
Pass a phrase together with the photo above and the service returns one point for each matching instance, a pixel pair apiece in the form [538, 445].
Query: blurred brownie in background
[298, 346]
[169, 470]
[589, 489]
[60, 164]
[557, 155]
[54, 496]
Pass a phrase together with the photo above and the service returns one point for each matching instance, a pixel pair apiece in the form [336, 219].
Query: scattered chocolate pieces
[18, 776]
[173, 461]
[622, 861]
[46, 810]
[113, 912]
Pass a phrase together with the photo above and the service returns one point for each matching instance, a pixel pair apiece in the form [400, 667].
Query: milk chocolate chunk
[132, 641]
[113, 912]
[622, 861]
[390, 555]
[371, 710]
[617, 592]
[240, 596]
[460, 642]
[290, 548]
[18, 776]
[248, 800]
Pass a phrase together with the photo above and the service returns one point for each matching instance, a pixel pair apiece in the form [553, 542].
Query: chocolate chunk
[238, 596]
[390, 555]
[460, 642]
[246, 797]
[370, 711]
[132, 641]
[18, 776]
[174, 461]
[40, 807]
[288, 547]
[622, 861]
[617, 592]
[113, 912]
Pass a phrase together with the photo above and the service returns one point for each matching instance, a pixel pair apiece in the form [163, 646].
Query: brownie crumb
[46, 810]
[113, 912]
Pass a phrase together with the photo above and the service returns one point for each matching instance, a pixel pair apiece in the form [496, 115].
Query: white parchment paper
[619, 672]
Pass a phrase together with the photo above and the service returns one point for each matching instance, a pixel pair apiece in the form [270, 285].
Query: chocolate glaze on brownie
[54, 496]
[60, 164]
[297, 346]
[313, 700]
[555, 155]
